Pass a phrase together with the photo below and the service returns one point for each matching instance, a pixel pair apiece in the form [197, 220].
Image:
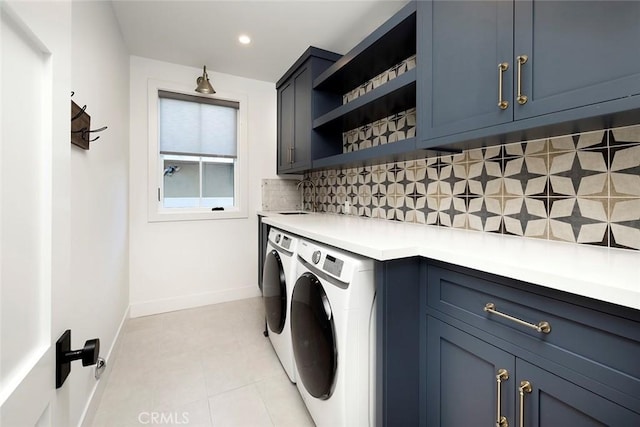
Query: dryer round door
[313, 336]
[274, 292]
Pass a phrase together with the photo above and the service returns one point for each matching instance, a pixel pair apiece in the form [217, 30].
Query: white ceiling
[197, 33]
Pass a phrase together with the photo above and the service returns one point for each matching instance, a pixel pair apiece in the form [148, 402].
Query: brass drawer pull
[502, 67]
[502, 375]
[543, 326]
[525, 387]
[522, 99]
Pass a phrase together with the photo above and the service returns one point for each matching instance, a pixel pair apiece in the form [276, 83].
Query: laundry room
[319, 213]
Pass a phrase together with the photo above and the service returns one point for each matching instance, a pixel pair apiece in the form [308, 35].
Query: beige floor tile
[242, 407]
[194, 414]
[210, 366]
[283, 402]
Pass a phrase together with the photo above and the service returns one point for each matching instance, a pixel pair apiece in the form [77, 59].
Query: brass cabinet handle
[525, 387]
[522, 99]
[543, 326]
[501, 421]
[502, 67]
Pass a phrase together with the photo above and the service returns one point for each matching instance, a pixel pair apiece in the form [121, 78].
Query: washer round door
[313, 336]
[274, 292]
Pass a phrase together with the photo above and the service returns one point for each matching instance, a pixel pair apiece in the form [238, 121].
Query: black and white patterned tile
[624, 187]
[625, 223]
[581, 188]
[382, 78]
[390, 129]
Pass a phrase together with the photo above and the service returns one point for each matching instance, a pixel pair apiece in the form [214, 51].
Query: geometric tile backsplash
[384, 131]
[582, 188]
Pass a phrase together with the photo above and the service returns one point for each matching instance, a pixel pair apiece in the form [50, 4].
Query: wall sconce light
[203, 83]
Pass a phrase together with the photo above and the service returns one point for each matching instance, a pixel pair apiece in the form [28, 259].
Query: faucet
[314, 205]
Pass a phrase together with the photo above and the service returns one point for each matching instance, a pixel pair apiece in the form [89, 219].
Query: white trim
[166, 305]
[155, 211]
[95, 397]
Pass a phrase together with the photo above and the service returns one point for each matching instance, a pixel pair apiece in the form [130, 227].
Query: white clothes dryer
[333, 333]
[279, 273]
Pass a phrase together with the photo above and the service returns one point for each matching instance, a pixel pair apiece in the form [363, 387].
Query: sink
[294, 213]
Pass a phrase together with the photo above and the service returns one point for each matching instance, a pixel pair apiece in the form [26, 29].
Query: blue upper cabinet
[578, 53]
[297, 105]
[502, 71]
[461, 44]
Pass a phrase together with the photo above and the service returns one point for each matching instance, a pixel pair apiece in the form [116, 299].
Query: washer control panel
[281, 240]
[333, 265]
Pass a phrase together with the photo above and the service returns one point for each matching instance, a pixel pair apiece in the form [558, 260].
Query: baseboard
[89, 413]
[166, 305]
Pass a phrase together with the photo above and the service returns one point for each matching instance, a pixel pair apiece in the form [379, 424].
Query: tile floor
[208, 366]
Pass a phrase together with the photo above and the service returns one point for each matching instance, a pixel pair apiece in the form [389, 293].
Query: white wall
[96, 300]
[175, 265]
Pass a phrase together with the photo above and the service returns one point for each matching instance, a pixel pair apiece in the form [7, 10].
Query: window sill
[196, 215]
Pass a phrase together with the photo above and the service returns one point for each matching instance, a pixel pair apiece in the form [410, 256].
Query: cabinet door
[461, 44]
[554, 401]
[301, 155]
[579, 53]
[461, 379]
[263, 237]
[286, 111]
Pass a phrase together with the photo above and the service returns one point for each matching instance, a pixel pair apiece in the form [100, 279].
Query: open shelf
[388, 45]
[393, 151]
[389, 98]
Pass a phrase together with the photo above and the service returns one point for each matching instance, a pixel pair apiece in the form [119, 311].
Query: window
[195, 156]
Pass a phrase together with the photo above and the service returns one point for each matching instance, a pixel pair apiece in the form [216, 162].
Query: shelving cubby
[390, 44]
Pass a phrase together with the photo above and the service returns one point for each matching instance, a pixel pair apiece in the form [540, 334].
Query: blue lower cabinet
[467, 377]
[461, 347]
[545, 399]
[504, 352]
[461, 379]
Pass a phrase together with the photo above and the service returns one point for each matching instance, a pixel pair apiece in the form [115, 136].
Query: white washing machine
[333, 333]
[279, 275]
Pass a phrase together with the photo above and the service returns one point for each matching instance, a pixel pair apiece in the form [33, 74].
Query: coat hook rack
[81, 126]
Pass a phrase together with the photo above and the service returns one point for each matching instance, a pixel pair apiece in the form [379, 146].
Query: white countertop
[606, 274]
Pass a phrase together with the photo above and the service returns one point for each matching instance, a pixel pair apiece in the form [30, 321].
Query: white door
[30, 136]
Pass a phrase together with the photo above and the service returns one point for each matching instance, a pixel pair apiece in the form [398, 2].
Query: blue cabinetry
[312, 116]
[439, 352]
[297, 105]
[472, 382]
[263, 237]
[579, 53]
[502, 71]
[488, 72]
[579, 368]
[391, 43]
[460, 46]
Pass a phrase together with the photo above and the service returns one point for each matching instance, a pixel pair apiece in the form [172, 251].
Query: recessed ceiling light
[244, 39]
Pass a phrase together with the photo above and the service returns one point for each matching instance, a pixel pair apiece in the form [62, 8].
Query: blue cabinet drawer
[595, 341]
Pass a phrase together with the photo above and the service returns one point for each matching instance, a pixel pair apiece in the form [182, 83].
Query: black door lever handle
[64, 355]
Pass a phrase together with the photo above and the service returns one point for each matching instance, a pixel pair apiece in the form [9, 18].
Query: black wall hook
[79, 113]
[81, 126]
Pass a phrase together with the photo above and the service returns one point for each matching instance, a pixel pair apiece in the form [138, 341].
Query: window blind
[197, 126]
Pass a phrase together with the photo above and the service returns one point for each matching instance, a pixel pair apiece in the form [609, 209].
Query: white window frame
[156, 211]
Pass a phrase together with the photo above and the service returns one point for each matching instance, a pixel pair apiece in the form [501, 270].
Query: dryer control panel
[333, 262]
